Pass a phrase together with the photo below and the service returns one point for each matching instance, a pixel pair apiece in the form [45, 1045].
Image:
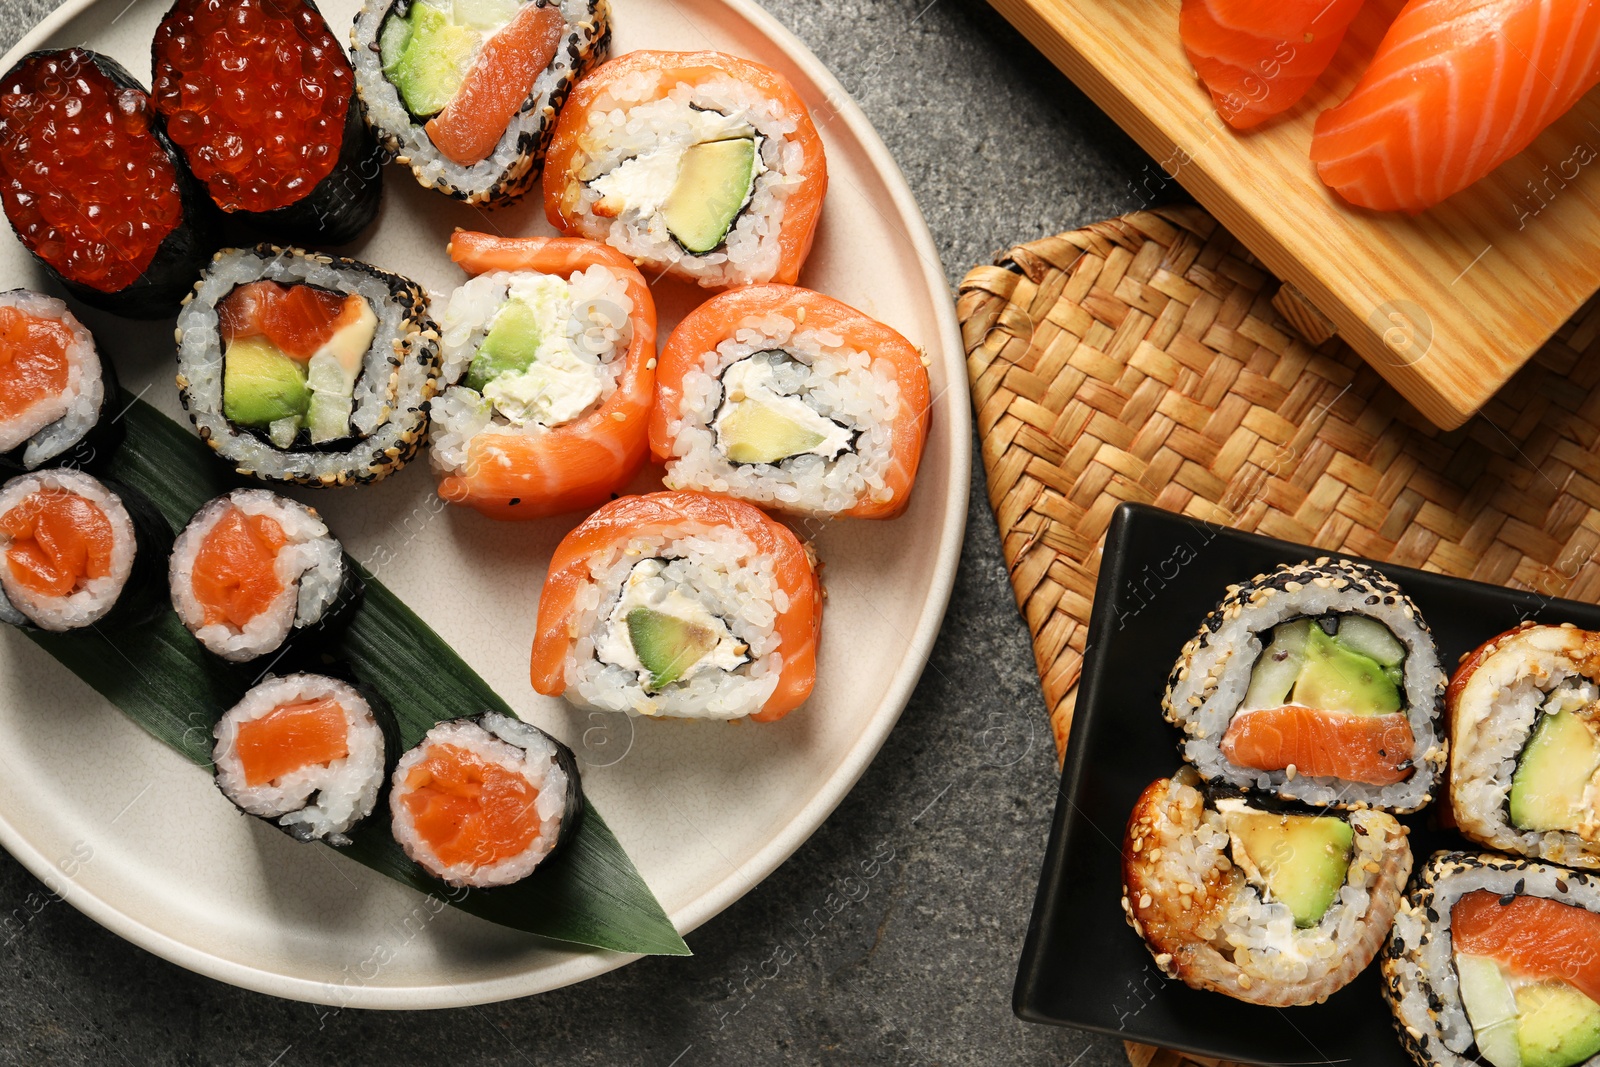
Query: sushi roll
[94, 189]
[260, 98]
[483, 802]
[550, 349]
[465, 92]
[1492, 961]
[791, 400]
[79, 552]
[306, 752]
[700, 164]
[1318, 682]
[53, 387]
[1269, 907]
[303, 368]
[680, 604]
[252, 568]
[1524, 714]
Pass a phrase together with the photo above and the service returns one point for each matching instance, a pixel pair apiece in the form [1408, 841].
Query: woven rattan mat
[1142, 359]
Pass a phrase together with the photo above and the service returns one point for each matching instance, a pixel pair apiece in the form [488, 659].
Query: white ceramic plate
[139, 840]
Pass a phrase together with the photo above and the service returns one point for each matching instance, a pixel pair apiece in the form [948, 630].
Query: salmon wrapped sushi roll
[1268, 907]
[1318, 682]
[700, 164]
[550, 350]
[683, 605]
[794, 401]
[53, 386]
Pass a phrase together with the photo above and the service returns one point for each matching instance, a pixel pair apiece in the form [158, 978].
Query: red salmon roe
[86, 185]
[255, 94]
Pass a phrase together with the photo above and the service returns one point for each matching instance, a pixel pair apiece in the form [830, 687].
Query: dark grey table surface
[998, 148]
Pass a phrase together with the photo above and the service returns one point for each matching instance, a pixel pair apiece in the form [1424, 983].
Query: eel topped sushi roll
[306, 752]
[304, 368]
[260, 98]
[94, 189]
[701, 164]
[550, 350]
[483, 802]
[794, 401]
[680, 604]
[465, 92]
[1493, 960]
[1269, 907]
[1524, 713]
[1318, 682]
[53, 387]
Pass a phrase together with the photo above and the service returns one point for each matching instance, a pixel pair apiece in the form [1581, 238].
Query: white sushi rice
[505, 742]
[310, 568]
[94, 598]
[843, 384]
[720, 570]
[628, 120]
[52, 425]
[345, 790]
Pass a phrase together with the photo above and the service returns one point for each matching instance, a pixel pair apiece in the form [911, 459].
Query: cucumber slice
[1372, 639]
[392, 42]
[1491, 1009]
[1279, 666]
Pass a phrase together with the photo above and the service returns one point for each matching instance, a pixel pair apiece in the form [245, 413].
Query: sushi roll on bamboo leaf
[308, 369]
[93, 187]
[465, 92]
[794, 401]
[681, 605]
[260, 98]
[1318, 682]
[551, 350]
[700, 164]
[1270, 907]
[54, 388]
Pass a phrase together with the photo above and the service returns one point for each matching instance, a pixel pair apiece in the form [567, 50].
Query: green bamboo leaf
[589, 894]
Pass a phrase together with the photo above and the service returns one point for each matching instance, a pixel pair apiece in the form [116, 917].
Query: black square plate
[1082, 965]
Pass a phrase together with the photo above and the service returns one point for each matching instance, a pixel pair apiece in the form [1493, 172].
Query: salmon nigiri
[1257, 58]
[1456, 89]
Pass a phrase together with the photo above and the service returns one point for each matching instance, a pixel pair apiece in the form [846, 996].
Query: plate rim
[584, 964]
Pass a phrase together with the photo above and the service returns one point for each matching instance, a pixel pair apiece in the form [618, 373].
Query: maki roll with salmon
[465, 92]
[77, 552]
[794, 401]
[699, 164]
[1269, 907]
[550, 350]
[305, 752]
[683, 605]
[304, 368]
[483, 802]
[1318, 682]
[260, 98]
[53, 386]
[1524, 714]
[1493, 960]
[253, 568]
[93, 187]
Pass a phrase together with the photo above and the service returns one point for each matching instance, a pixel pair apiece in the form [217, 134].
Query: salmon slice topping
[59, 541]
[236, 570]
[297, 319]
[502, 76]
[33, 360]
[1371, 749]
[290, 737]
[469, 810]
[1533, 937]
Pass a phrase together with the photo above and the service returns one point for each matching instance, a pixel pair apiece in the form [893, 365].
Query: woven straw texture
[1143, 359]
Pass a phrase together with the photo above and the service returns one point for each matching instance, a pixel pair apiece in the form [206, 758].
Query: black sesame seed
[1507, 900]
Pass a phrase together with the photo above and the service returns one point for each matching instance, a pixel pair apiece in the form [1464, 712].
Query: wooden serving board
[1446, 305]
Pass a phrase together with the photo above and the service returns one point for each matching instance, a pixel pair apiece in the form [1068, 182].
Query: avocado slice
[755, 433]
[261, 385]
[1303, 859]
[1491, 1009]
[1557, 1025]
[1370, 638]
[510, 347]
[714, 183]
[1275, 673]
[1553, 774]
[1336, 679]
[434, 65]
[666, 645]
